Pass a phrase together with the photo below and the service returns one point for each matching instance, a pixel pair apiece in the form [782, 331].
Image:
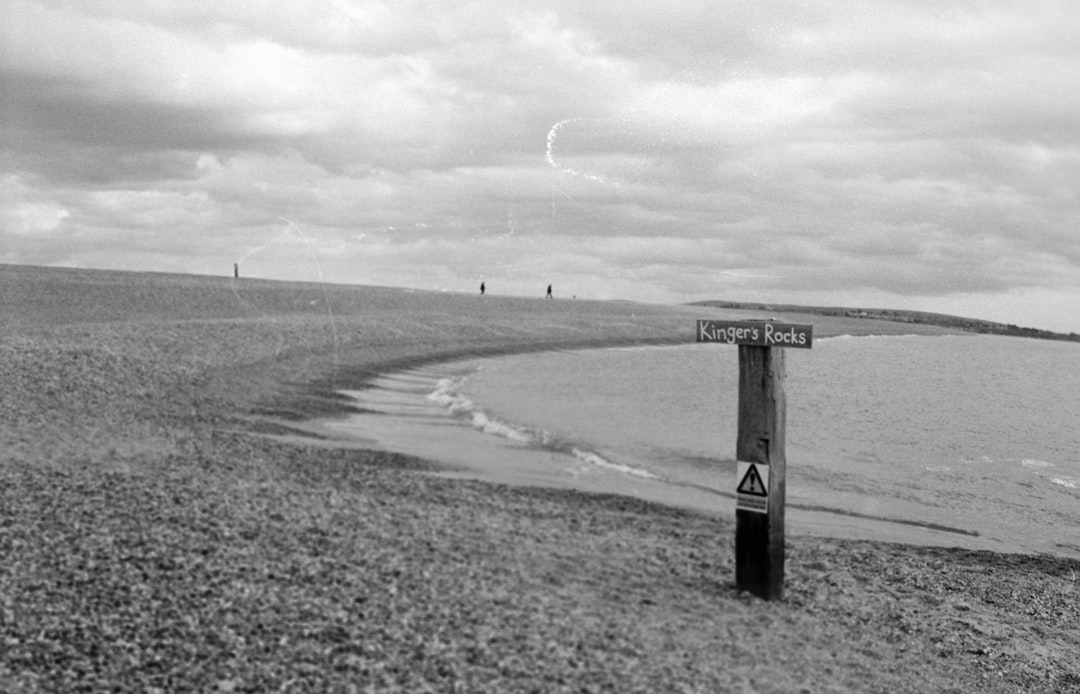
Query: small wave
[861, 338]
[486, 424]
[1033, 463]
[446, 394]
[600, 461]
[1067, 482]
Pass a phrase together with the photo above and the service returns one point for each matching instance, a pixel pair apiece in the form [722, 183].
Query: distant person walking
[481, 289]
[548, 293]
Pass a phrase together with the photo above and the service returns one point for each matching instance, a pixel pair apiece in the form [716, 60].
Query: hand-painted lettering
[788, 336]
[764, 333]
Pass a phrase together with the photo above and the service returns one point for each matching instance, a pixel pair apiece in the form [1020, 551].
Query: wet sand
[169, 522]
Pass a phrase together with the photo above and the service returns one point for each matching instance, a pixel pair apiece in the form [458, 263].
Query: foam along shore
[167, 521]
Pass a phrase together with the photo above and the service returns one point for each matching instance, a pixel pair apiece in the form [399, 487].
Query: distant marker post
[761, 466]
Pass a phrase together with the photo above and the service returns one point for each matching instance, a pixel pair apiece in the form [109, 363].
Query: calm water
[971, 437]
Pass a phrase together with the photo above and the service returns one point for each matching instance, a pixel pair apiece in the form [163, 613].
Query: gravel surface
[155, 536]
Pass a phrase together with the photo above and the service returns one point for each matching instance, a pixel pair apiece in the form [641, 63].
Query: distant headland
[975, 325]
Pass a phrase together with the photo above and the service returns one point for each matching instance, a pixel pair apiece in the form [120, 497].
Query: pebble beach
[168, 523]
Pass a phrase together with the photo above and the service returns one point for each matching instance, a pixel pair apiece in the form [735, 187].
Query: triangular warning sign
[752, 484]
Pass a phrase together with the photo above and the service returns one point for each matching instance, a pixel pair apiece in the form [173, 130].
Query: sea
[961, 440]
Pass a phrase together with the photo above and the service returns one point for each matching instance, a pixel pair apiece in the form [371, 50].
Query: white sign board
[752, 487]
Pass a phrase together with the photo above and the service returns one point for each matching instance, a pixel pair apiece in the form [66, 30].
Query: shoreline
[155, 540]
[468, 453]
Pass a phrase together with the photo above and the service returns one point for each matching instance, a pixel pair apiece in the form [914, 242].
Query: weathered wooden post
[761, 467]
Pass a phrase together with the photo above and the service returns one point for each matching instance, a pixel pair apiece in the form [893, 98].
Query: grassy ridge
[943, 320]
[154, 541]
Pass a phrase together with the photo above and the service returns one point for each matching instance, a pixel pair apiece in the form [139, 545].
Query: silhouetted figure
[236, 271]
[481, 289]
[548, 293]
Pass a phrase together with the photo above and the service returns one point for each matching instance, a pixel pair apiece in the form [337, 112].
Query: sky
[902, 154]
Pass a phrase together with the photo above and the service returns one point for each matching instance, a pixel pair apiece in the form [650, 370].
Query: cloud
[905, 152]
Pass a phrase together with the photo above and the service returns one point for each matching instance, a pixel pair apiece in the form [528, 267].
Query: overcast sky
[896, 154]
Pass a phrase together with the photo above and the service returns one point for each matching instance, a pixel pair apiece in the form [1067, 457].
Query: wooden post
[761, 467]
[236, 270]
[759, 452]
